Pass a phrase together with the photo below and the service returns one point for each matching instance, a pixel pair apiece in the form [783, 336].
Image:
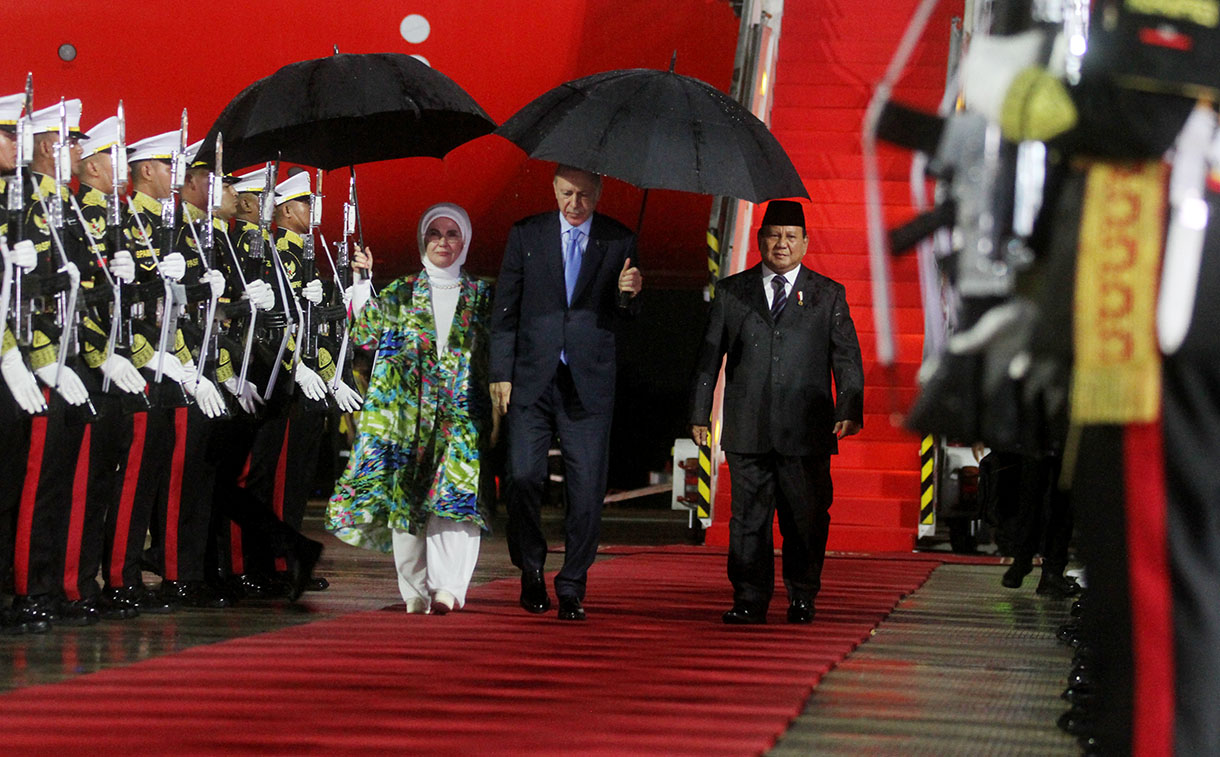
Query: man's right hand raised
[500, 393]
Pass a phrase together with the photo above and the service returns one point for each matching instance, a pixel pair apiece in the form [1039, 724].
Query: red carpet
[653, 671]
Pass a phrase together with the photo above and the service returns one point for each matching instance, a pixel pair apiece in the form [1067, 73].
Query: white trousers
[443, 559]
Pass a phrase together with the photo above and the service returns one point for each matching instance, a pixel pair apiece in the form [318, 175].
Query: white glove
[22, 255]
[245, 392]
[310, 382]
[123, 374]
[346, 398]
[173, 266]
[216, 280]
[21, 382]
[990, 66]
[171, 367]
[261, 294]
[123, 267]
[69, 387]
[357, 296]
[207, 397]
[313, 291]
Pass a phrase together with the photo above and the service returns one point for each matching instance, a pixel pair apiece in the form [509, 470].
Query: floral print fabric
[420, 445]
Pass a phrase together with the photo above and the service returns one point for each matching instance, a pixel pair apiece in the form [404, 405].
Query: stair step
[874, 511]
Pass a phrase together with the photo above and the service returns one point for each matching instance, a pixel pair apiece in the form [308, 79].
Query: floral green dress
[423, 429]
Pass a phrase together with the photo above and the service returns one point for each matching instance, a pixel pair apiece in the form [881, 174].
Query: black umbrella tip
[673, 60]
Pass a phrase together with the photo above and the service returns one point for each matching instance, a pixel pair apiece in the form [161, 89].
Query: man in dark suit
[567, 281]
[785, 330]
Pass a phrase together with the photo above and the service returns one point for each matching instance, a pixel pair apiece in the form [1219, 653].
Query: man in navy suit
[567, 281]
[785, 330]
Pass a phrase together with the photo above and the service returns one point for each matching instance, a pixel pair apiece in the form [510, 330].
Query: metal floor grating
[961, 667]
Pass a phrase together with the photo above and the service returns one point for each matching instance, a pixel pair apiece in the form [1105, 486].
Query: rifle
[281, 275]
[55, 225]
[24, 323]
[119, 338]
[343, 271]
[174, 296]
[248, 342]
[207, 258]
[175, 300]
[308, 270]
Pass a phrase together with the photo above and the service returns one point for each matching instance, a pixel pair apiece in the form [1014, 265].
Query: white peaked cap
[293, 188]
[101, 137]
[47, 119]
[254, 181]
[10, 108]
[160, 147]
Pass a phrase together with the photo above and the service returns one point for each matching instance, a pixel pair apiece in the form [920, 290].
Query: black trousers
[15, 425]
[57, 470]
[157, 497]
[799, 491]
[262, 531]
[307, 428]
[127, 522]
[584, 441]
[1037, 513]
[187, 524]
[1192, 475]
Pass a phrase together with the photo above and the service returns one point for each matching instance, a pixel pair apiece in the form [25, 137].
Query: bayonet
[308, 270]
[174, 296]
[24, 322]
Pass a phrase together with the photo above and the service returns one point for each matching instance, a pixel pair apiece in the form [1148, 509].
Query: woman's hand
[362, 259]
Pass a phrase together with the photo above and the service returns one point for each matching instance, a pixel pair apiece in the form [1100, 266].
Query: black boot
[1055, 585]
[1016, 573]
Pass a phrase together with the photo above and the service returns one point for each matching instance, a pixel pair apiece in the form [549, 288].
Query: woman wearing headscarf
[414, 482]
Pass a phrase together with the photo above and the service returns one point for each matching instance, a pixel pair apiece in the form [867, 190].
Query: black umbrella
[347, 109]
[656, 129]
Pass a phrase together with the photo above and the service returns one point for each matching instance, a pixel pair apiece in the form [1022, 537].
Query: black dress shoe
[42, 608]
[108, 609]
[10, 624]
[300, 568]
[1016, 573]
[800, 611]
[533, 592]
[145, 600]
[273, 586]
[742, 615]
[192, 594]
[1057, 586]
[317, 583]
[14, 622]
[570, 609]
[78, 612]
[1076, 721]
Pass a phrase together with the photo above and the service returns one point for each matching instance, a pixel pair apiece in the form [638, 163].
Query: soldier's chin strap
[1195, 153]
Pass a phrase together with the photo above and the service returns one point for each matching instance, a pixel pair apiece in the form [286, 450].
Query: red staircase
[831, 54]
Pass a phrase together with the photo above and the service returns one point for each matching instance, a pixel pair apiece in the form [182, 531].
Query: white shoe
[442, 602]
[417, 606]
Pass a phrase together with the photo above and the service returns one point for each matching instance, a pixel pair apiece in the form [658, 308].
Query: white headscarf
[458, 216]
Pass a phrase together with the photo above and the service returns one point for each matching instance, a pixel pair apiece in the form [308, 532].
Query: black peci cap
[784, 213]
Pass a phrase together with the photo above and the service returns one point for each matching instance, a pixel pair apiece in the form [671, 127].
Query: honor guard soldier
[151, 463]
[52, 506]
[202, 238]
[285, 448]
[1132, 265]
[20, 396]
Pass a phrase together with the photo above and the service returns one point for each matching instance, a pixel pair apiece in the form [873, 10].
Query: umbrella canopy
[347, 109]
[656, 129]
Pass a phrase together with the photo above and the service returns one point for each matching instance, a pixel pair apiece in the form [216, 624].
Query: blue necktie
[780, 299]
[571, 261]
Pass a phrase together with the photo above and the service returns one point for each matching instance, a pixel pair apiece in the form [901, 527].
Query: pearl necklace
[439, 285]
